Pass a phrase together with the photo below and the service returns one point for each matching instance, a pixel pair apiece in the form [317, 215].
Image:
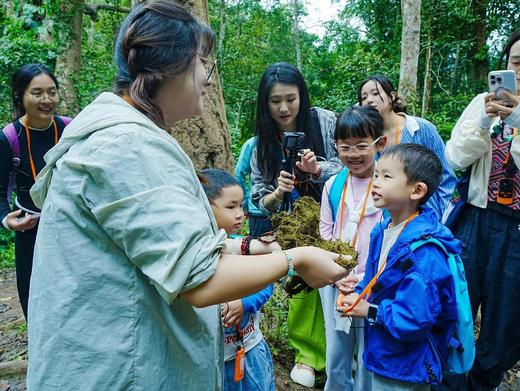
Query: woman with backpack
[485, 143]
[23, 143]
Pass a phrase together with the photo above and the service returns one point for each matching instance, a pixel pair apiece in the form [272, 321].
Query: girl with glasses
[348, 213]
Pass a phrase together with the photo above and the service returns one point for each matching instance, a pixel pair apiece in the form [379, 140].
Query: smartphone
[502, 81]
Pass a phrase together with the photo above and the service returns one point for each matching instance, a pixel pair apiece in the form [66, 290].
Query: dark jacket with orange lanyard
[416, 300]
[40, 142]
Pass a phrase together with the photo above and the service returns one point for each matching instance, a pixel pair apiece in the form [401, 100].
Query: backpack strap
[12, 138]
[426, 240]
[335, 192]
[65, 120]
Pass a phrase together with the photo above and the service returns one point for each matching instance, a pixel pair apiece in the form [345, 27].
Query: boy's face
[390, 189]
[227, 209]
[358, 154]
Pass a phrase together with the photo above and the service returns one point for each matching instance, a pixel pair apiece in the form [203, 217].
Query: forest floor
[13, 346]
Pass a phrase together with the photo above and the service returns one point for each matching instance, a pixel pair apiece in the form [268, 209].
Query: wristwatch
[372, 313]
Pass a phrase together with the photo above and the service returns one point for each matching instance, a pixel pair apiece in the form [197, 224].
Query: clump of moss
[301, 228]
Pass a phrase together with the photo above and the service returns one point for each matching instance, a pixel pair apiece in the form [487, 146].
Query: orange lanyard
[354, 239]
[28, 135]
[368, 289]
[397, 132]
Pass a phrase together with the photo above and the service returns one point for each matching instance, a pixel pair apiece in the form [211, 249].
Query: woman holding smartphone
[34, 131]
[485, 141]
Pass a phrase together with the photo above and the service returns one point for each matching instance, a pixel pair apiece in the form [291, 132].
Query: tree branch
[93, 9]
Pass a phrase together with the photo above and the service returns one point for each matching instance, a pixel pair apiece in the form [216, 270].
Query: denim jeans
[491, 256]
[341, 347]
[259, 373]
[380, 383]
[258, 225]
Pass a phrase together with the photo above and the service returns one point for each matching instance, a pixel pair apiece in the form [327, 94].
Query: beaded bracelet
[290, 263]
[246, 245]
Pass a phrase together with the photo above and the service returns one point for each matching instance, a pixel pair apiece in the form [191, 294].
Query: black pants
[491, 256]
[24, 251]
[259, 225]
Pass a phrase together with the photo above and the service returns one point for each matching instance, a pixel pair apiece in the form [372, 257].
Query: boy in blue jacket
[407, 297]
[240, 317]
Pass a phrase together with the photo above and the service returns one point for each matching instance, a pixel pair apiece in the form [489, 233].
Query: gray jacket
[125, 229]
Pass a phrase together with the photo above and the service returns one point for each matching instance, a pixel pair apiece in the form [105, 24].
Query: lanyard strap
[368, 289]
[398, 131]
[508, 156]
[363, 209]
[28, 135]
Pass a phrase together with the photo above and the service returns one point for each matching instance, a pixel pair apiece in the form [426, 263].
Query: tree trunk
[479, 50]
[454, 83]
[410, 46]
[222, 30]
[427, 87]
[296, 31]
[68, 62]
[206, 139]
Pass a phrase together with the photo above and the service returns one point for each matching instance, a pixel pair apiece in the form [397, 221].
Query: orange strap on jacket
[368, 289]
[354, 239]
[28, 135]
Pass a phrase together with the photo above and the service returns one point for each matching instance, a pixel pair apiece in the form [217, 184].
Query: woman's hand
[17, 223]
[285, 184]
[308, 163]
[503, 107]
[232, 313]
[317, 267]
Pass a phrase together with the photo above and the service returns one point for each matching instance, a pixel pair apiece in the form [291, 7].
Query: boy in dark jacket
[407, 297]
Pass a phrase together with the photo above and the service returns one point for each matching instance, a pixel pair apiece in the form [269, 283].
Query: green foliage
[364, 39]
[274, 325]
[6, 249]
[334, 66]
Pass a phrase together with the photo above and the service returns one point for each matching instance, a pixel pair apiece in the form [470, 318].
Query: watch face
[372, 314]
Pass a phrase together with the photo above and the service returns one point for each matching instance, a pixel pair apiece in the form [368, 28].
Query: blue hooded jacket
[416, 301]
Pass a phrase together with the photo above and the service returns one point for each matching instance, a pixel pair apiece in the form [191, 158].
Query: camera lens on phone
[492, 77]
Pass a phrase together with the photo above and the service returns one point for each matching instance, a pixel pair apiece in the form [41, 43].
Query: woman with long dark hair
[378, 91]
[485, 142]
[283, 105]
[128, 246]
[23, 143]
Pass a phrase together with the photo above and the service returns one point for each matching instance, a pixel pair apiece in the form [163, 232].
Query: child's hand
[232, 313]
[347, 284]
[359, 311]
